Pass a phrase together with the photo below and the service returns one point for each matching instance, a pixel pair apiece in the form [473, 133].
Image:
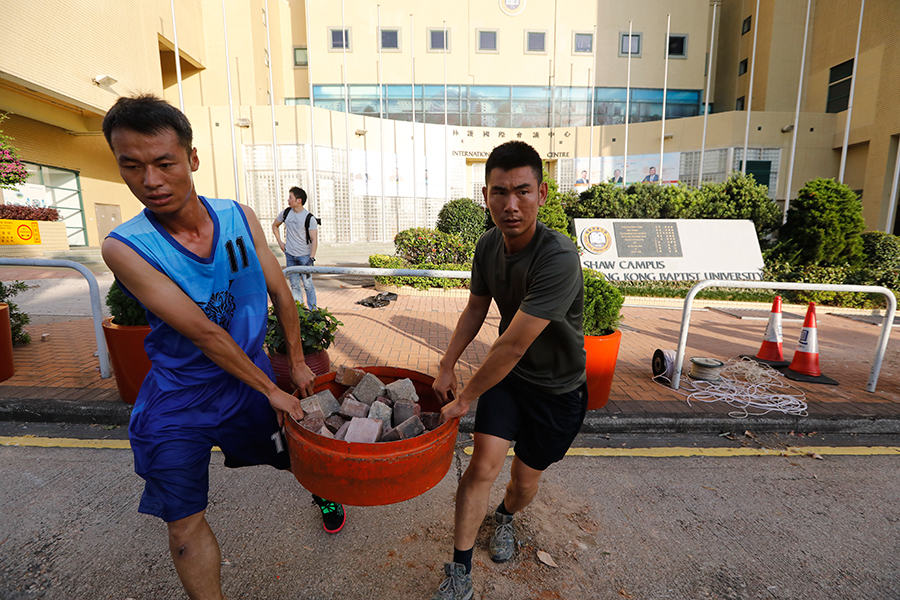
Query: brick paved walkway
[413, 331]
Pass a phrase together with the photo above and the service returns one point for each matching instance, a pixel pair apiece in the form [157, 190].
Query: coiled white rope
[753, 389]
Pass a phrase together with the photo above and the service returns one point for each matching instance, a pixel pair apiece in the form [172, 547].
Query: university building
[385, 111]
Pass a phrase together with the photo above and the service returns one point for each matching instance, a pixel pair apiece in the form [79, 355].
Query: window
[632, 47]
[739, 104]
[839, 79]
[390, 39]
[340, 38]
[678, 46]
[535, 41]
[742, 67]
[745, 26]
[301, 58]
[583, 43]
[438, 39]
[487, 41]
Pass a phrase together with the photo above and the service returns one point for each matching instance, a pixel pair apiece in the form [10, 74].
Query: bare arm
[501, 359]
[276, 229]
[313, 242]
[284, 305]
[467, 327]
[167, 301]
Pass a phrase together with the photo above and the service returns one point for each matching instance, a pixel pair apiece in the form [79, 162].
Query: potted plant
[125, 331]
[317, 329]
[602, 313]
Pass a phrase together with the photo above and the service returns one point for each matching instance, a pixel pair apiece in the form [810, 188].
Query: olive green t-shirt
[543, 280]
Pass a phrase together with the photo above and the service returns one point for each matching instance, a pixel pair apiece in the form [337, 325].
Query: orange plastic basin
[373, 474]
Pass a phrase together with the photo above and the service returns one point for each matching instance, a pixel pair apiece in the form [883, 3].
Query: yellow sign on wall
[15, 232]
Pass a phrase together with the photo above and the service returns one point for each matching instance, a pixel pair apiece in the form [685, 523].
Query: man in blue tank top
[202, 269]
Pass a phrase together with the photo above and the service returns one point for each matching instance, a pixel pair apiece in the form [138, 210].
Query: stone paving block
[431, 420]
[354, 408]
[381, 411]
[334, 422]
[324, 402]
[368, 389]
[342, 432]
[313, 421]
[348, 376]
[364, 430]
[402, 389]
[384, 400]
[407, 429]
[348, 393]
[404, 410]
[325, 432]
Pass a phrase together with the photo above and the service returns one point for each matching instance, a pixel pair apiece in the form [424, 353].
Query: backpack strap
[309, 217]
[284, 213]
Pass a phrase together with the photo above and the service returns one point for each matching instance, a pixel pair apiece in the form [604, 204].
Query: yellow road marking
[47, 442]
[660, 452]
[680, 451]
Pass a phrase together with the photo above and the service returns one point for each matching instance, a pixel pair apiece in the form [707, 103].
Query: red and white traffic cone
[806, 358]
[772, 349]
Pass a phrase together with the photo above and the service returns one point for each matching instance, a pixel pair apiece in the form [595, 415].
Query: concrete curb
[117, 413]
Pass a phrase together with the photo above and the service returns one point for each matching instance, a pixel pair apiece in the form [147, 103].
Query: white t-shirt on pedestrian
[295, 231]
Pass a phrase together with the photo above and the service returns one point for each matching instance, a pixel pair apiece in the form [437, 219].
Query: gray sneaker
[503, 542]
[457, 586]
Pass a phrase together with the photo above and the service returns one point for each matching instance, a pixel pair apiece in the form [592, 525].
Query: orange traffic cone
[771, 349]
[806, 358]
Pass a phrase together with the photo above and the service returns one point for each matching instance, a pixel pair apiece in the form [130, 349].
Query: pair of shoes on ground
[458, 584]
[333, 516]
[379, 300]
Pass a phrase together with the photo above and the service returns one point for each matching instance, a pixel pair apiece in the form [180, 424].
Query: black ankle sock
[502, 509]
[464, 557]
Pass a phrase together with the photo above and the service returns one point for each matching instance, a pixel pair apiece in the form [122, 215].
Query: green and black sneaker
[333, 517]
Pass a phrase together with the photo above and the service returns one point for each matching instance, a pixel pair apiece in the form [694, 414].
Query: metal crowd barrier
[825, 287]
[93, 290]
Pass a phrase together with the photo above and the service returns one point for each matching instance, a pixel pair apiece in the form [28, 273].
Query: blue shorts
[543, 425]
[172, 435]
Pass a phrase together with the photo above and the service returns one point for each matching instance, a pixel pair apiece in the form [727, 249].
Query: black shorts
[543, 425]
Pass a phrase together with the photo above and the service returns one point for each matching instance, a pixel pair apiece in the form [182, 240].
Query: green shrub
[422, 244]
[464, 217]
[881, 250]
[824, 226]
[124, 309]
[317, 329]
[552, 214]
[602, 201]
[739, 197]
[839, 274]
[602, 304]
[382, 261]
[17, 319]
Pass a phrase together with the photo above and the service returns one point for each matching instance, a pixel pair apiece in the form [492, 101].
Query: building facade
[385, 112]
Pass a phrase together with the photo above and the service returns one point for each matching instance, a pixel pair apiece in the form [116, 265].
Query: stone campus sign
[670, 249]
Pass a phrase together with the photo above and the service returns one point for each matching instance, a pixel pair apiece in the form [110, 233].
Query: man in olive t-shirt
[531, 385]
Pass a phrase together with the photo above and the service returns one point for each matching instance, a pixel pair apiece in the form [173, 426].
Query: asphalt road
[617, 526]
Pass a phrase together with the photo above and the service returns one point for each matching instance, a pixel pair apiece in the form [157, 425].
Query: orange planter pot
[379, 473]
[7, 369]
[318, 362]
[602, 352]
[129, 359]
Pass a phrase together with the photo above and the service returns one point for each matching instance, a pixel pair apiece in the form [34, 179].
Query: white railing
[93, 290]
[769, 285]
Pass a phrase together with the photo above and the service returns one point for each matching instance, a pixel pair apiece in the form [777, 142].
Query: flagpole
[591, 73]
[627, 108]
[272, 108]
[662, 134]
[313, 188]
[712, 38]
[412, 90]
[178, 58]
[790, 179]
[380, 128]
[750, 93]
[237, 193]
[862, 7]
[345, 39]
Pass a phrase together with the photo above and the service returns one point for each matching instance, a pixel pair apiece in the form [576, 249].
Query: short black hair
[147, 114]
[299, 192]
[513, 155]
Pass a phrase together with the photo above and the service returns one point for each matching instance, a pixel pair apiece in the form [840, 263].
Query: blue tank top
[228, 285]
